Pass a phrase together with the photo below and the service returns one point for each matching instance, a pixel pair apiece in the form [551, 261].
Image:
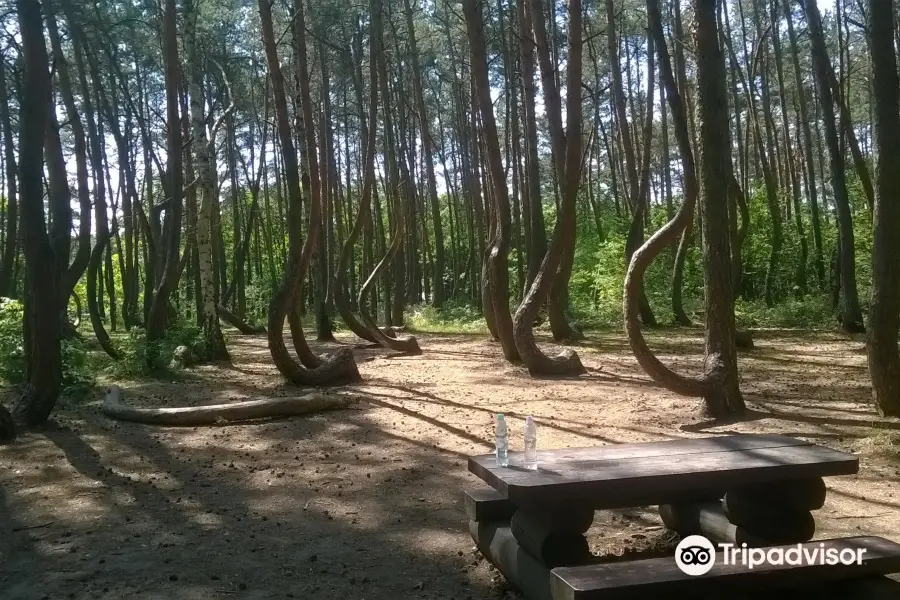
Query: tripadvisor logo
[696, 555]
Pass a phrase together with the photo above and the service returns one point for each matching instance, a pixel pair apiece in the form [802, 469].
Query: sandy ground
[366, 503]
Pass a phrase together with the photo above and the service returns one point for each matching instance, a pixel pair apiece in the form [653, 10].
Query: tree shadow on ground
[191, 513]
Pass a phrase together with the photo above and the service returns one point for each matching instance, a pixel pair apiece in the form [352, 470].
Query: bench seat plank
[661, 577]
[659, 473]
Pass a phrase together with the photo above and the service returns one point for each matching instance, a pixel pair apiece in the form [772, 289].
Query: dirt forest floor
[366, 503]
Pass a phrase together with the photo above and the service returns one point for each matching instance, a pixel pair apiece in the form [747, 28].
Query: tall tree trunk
[719, 384]
[791, 175]
[42, 302]
[686, 238]
[158, 318]
[428, 151]
[499, 248]
[567, 147]
[850, 313]
[809, 161]
[341, 365]
[636, 231]
[7, 283]
[884, 315]
[212, 334]
[535, 216]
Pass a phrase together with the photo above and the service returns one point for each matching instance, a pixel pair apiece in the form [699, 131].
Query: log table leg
[756, 514]
[526, 544]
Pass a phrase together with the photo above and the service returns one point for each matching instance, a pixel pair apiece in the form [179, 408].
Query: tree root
[192, 416]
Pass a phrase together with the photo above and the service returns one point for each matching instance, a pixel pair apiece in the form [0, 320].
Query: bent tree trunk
[96, 261]
[341, 366]
[498, 263]
[687, 236]
[568, 166]
[378, 77]
[718, 385]
[884, 316]
[635, 193]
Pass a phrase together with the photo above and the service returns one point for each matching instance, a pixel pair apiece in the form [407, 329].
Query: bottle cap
[500, 416]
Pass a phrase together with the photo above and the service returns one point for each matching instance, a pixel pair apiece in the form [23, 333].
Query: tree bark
[215, 348]
[850, 313]
[636, 231]
[884, 314]
[341, 366]
[497, 254]
[809, 161]
[7, 263]
[686, 238]
[719, 384]
[567, 147]
[158, 318]
[42, 304]
[535, 216]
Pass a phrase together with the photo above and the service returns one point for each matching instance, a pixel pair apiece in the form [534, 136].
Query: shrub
[140, 357]
[77, 375]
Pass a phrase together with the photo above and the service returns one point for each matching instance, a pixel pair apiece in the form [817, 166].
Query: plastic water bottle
[502, 437]
[530, 444]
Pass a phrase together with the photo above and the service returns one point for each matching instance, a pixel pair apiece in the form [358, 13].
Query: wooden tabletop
[623, 475]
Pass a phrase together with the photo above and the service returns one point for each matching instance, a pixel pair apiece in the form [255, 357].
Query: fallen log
[212, 414]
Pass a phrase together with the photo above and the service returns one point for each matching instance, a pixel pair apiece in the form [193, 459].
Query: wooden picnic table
[759, 489]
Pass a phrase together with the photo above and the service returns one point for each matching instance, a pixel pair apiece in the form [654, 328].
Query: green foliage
[12, 351]
[810, 313]
[141, 357]
[78, 374]
[453, 318]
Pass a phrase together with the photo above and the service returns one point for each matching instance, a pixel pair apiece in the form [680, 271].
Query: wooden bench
[661, 578]
[754, 489]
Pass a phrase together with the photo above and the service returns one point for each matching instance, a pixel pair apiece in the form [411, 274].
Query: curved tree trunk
[341, 366]
[567, 153]
[634, 179]
[718, 385]
[498, 263]
[364, 212]
[687, 236]
[378, 80]
[93, 297]
[884, 316]
[167, 267]
[535, 211]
